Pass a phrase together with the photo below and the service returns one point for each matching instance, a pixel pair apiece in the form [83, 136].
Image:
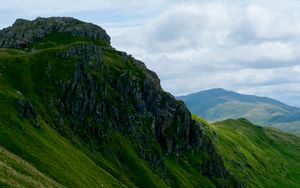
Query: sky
[249, 46]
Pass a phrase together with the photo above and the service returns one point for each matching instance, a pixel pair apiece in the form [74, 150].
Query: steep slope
[258, 156]
[219, 104]
[16, 172]
[82, 114]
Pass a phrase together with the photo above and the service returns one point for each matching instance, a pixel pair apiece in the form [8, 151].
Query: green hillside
[259, 156]
[75, 112]
[219, 104]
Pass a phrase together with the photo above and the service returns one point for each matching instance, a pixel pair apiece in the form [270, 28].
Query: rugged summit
[24, 32]
[86, 96]
[100, 102]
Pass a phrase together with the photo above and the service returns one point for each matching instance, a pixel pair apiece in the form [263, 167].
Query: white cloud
[195, 46]
[33, 7]
[184, 26]
[272, 25]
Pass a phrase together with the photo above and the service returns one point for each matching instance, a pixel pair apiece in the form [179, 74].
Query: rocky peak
[24, 32]
[106, 92]
[20, 21]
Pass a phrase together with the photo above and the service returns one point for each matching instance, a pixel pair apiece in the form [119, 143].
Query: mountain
[219, 104]
[76, 112]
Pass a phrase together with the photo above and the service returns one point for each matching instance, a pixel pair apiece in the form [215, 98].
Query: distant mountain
[219, 104]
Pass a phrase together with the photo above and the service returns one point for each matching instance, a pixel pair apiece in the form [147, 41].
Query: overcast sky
[252, 47]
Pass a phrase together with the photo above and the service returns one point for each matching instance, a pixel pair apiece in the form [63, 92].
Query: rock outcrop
[27, 111]
[24, 32]
[138, 98]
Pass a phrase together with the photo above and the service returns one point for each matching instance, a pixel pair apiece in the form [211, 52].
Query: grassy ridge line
[259, 157]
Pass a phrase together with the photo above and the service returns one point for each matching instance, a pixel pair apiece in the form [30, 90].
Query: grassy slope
[260, 157]
[16, 172]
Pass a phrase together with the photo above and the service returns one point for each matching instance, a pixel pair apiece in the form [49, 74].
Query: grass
[259, 156]
[185, 175]
[53, 40]
[15, 172]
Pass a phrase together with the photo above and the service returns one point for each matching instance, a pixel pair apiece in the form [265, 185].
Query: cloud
[64, 6]
[104, 12]
[272, 25]
[184, 26]
[195, 46]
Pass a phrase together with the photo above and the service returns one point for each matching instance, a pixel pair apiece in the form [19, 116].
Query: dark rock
[173, 127]
[81, 92]
[172, 120]
[26, 111]
[132, 103]
[213, 166]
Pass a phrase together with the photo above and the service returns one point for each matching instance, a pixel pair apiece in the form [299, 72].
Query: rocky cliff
[89, 92]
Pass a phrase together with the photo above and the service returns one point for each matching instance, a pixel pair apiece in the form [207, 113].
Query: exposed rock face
[84, 96]
[214, 167]
[173, 124]
[26, 111]
[24, 32]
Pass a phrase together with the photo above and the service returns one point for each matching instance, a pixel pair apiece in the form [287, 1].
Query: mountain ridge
[254, 98]
[219, 104]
